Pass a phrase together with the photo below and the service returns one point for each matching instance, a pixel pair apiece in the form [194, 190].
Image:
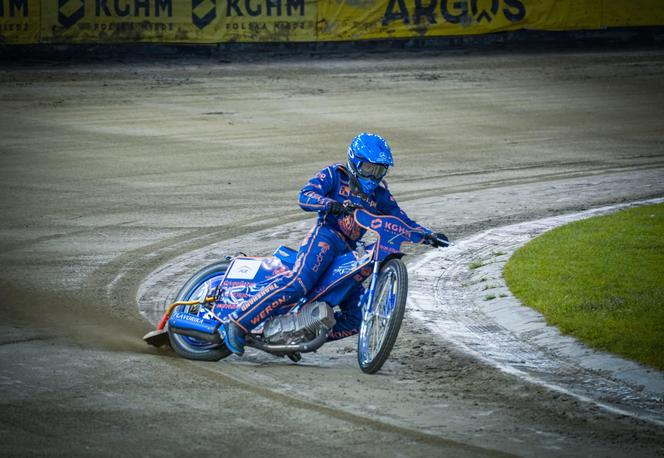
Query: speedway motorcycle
[191, 324]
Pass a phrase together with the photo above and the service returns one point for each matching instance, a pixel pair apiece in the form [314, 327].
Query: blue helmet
[369, 157]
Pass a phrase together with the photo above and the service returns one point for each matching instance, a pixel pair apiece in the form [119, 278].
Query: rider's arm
[387, 205]
[313, 194]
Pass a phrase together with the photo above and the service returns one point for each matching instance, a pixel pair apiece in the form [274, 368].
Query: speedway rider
[360, 184]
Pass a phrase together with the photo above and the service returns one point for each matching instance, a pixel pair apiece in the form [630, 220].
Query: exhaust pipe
[195, 326]
[284, 349]
[212, 338]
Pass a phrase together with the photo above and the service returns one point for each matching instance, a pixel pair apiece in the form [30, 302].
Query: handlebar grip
[437, 240]
[350, 209]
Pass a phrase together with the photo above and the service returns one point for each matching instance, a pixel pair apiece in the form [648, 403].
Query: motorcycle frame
[391, 233]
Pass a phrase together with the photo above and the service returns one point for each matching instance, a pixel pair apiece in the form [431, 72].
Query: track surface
[112, 172]
[473, 309]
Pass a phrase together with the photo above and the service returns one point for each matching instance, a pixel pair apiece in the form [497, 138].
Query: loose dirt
[112, 171]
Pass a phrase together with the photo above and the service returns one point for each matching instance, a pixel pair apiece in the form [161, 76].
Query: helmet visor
[371, 170]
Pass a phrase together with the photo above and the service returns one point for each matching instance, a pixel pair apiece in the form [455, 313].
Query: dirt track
[111, 171]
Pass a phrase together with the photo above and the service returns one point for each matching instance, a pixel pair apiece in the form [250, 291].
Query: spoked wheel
[382, 319]
[203, 281]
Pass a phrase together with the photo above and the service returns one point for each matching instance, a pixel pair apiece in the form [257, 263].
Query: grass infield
[600, 280]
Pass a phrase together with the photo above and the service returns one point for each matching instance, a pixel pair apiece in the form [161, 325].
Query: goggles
[371, 170]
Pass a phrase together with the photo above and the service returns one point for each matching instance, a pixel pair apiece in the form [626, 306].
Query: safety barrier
[223, 21]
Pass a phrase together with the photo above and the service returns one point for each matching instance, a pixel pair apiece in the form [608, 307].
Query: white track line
[451, 299]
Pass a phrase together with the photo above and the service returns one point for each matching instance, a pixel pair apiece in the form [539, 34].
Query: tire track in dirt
[259, 371]
[497, 329]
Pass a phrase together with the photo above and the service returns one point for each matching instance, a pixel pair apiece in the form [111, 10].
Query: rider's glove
[334, 207]
[437, 240]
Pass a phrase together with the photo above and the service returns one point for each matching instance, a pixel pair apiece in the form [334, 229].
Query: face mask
[368, 185]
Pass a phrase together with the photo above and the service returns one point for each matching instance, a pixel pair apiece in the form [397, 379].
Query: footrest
[157, 338]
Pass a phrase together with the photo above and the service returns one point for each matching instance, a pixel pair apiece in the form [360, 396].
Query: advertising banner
[371, 19]
[224, 21]
[630, 13]
[19, 21]
[178, 21]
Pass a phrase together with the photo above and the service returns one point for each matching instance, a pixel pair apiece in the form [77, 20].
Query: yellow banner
[19, 21]
[563, 14]
[628, 13]
[178, 21]
[223, 21]
[371, 19]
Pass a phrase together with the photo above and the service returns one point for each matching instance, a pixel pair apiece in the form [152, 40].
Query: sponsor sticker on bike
[244, 269]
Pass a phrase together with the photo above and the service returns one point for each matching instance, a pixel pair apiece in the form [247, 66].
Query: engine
[299, 327]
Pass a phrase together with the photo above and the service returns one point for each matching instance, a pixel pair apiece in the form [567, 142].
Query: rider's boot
[233, 337]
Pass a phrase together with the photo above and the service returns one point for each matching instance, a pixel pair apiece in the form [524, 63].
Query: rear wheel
[196, 288]
[382, 319]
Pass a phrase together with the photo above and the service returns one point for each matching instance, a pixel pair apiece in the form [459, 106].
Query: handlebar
[436, 241]
[432, 239]
[349, 208]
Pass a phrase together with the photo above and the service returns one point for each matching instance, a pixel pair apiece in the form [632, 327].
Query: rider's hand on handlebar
[334, 207]
[437, 240]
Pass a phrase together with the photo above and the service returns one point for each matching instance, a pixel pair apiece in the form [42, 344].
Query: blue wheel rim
[196, 291]
[368, 347]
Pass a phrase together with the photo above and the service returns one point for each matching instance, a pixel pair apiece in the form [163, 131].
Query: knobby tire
[394, 324]
[180, 343]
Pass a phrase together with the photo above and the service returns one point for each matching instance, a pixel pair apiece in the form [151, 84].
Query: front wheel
[196, 288]
[382, 319]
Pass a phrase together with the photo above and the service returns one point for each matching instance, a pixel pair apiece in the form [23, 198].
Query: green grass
[600, 280]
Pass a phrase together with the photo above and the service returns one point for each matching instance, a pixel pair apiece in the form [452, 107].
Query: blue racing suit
[332, 236]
